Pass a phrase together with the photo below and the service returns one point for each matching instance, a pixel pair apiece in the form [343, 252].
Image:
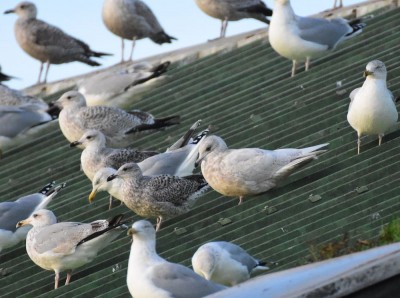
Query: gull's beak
[74, 144]
[111, 177]
[92, 195]
[367, 73]
[9, 11]
[23, 223]
[131, 231]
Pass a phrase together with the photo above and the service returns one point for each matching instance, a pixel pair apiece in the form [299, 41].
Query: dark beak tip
[9, 11]
[73, 144]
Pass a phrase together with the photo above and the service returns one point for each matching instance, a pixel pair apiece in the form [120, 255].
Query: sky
[82, 19]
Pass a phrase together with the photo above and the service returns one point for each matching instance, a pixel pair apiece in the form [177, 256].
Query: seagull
[149, 275]
[12, 212]
[47, 43]
[67, 245]
[118, 125]
[372, 109]
[302, 38]
[234, 10]
[225, 263]
[133, 20]
[96, 155]
[249, 171]
[161, 196]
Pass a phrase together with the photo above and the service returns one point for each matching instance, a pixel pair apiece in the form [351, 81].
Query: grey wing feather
[12, 212]
[353, 95]
[121, 157]
[67, 234]
[44, 34]
[144, 11]
[322, 31]
[181, 281]
[239, 254]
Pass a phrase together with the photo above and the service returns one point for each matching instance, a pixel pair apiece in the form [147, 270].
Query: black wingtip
[47, 188]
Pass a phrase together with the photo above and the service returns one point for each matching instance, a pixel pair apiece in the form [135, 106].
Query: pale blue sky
[82, 19]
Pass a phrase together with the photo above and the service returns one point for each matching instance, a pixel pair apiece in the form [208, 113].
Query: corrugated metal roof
[249, 98]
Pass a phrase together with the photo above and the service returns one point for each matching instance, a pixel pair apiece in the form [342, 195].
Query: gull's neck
[144, 252]
[379, 82]
[283, 13]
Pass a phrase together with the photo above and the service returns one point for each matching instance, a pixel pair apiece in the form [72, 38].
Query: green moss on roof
[249, 98]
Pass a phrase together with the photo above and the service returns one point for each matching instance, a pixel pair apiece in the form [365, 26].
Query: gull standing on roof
[114, 88]
[302, 38]
[162, 196]
[225, 263]
[19, 112]
[234, 10]
[178, 160]
[116, 124]
[372, 109]
[249, 171]
[12, 212]
[47, 43]
[133, 20]
[66, 246]
[149, 275]
[96, 155]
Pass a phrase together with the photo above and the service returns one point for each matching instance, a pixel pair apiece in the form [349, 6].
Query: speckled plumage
[96, 155]
[116, 124]
[47, 43]
[162, 196]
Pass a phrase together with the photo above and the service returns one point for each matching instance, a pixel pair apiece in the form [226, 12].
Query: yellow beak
[367, 73]
[131, 231]
[23, 223]
[92, 195]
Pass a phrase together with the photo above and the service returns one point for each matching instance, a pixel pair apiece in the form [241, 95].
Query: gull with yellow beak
[65, 246]
[372, 109]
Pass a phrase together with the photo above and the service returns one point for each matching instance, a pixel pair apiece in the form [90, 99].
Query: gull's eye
[89, 137]
[69, 97]
[22, 6]
[35, 215]
[208, 148]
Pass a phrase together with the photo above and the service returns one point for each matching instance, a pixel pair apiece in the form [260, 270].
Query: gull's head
[72, 99]
[128, 170]
[143, 230]
[91, 137]
[26, 10]
[100, 183]
[376, 69]
[40, 218]
[210, 144]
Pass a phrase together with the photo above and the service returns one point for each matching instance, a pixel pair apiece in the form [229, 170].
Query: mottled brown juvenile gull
[179, 160]
[149, 275]
[302, 38]
[66, 246]
[249, 171]
[96, 155]
[234, 10]
[225, 263]
[372, 110]
[116, 124]
[162, 196]
[113, 88]
[133, 20]
[12, 212]
[47, 43]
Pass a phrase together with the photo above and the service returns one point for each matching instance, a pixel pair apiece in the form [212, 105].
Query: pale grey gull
[161, 196]
[149, 275]
[117, 125]
[225, 263]
[249, 171]
[66, 246]
[302, 38]
[115, 88]
[234, 10]
[372, 110]
[133, 20]
[12, 212]
[47, 43]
